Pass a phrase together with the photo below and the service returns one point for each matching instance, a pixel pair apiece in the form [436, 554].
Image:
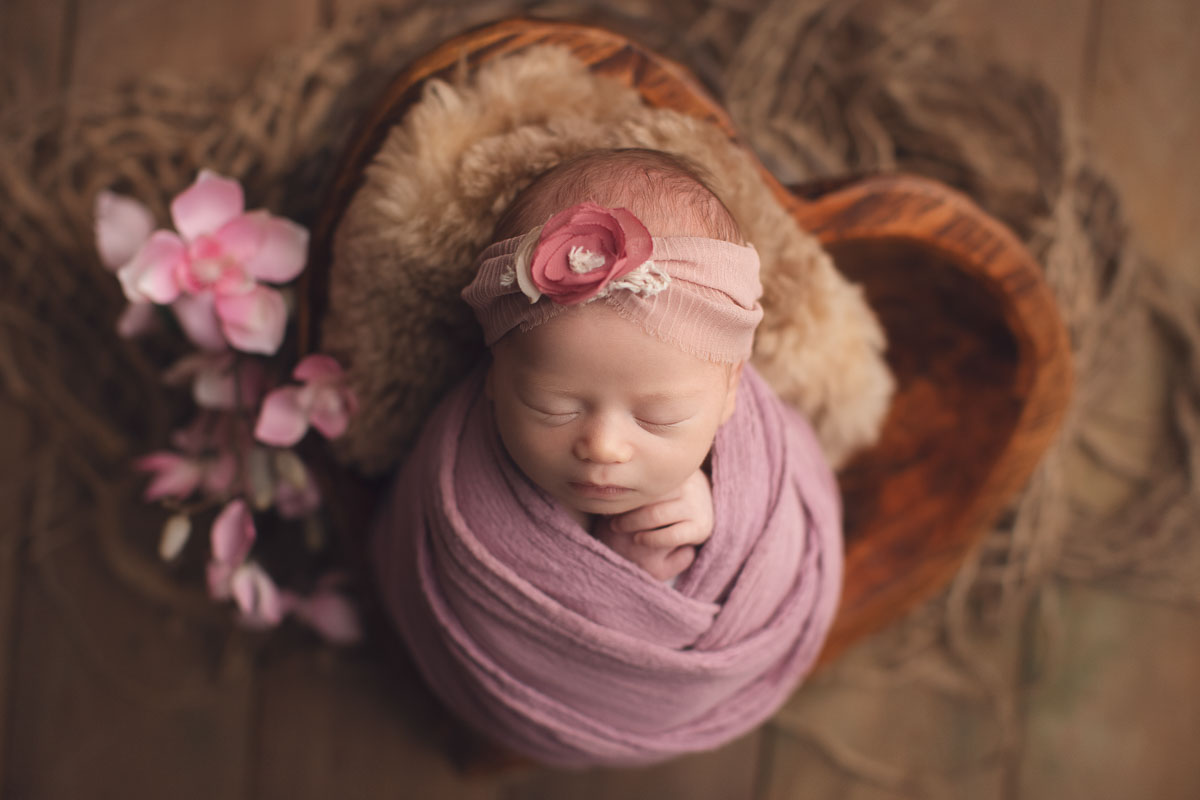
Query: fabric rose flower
[580, 251]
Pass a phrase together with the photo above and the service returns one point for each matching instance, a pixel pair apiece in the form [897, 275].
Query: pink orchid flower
[220, 253]
[178, 476]
[138, 319]
[260, 602]
[231, 538]
[322, 401]
[197, 315]
[122, 226]
[330, 614]
[231, 575]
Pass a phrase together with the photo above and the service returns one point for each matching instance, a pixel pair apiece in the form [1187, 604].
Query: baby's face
[602, 415]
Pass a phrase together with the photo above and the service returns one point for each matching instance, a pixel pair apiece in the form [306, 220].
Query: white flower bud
[261, 479]
[175, 533]
[291, 468]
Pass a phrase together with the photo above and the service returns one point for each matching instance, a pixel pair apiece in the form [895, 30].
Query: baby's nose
[603, 442]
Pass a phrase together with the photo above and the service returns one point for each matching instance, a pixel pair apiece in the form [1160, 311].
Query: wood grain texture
[728, 772]
[35, 47]
[118, 40]
[112, 697]
[15, 452]
[323, 732]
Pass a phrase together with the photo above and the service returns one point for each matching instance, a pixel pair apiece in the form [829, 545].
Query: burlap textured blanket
[548, 641]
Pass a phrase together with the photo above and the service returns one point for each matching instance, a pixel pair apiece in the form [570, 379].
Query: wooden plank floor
[104, 696]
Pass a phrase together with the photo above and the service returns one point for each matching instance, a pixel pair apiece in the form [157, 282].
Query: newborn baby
[615, 423]
[613, 543]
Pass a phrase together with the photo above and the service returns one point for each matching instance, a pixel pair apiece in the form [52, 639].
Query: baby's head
[669, 194]
[619, 304]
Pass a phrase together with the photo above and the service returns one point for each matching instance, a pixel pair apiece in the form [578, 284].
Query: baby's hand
[661, 537]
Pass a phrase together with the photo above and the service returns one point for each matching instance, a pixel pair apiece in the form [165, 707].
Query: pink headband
[696, 293]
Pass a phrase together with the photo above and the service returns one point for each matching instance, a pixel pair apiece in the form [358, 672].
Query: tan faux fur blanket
[432, 195]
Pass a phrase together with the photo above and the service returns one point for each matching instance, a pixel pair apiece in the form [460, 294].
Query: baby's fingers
[686, 532]
[646, 518]
[673, 564]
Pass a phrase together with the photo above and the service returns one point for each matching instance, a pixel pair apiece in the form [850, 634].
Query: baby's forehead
[594, 343]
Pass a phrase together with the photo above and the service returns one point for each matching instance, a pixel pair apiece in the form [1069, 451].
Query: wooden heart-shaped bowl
[975, 340]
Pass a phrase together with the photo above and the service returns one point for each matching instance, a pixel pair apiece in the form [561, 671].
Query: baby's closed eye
[652, 425]
[555, 417]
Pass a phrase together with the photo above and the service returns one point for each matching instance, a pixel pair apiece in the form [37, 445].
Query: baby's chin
[603, 507]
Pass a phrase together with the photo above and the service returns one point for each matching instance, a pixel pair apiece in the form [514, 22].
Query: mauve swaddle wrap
[546, 640]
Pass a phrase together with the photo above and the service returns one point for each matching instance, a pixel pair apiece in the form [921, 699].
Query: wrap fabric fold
[547, 641]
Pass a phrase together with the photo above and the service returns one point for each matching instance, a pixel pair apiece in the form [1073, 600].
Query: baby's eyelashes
[552, 416]
[549, 413]
[556, 419]
[659, 426]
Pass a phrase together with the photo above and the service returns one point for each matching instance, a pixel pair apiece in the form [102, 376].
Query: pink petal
[259, 600]
[122, 226]
[317, 367]
[639, 245]
[269, 248]
[331, 615]
[328, 413]
[233, 533]
[137, 319]
[175, 475]
[198, 318]
[151, 274]
[243, 236]
[206, 205]
[282, 421]
[253, 322]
